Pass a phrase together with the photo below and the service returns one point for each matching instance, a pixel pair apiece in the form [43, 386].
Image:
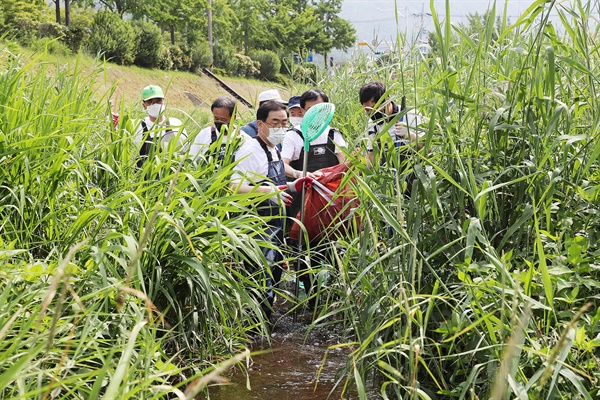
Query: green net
[315, 121]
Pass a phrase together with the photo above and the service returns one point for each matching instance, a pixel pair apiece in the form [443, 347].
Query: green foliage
[112, 37]
[270, 64]
[24, 29]
[52, 46]
[200, 55]
[470, 280]
[51, 30]
[224, 58]
[245, 66]
[78, 32]
[150, 45]
[89, 255]
[179, 58]
[305, 72]
[14, 12]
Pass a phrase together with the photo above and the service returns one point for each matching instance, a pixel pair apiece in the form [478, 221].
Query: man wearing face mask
[223, 110]
[260, 169]
[324, 151]
[295, 111]
[381, 111]
[251, 128]
[156, 128]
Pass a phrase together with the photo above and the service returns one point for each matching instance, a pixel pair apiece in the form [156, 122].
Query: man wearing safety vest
[223, 110]
[324, 151]
[260, 169]
[156, 131]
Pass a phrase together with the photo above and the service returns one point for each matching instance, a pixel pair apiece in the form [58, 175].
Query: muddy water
[291, 367]
[287, 370]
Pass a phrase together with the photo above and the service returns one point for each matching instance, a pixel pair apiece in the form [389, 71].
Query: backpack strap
[213, 134]
[299, 132]
[263, 145]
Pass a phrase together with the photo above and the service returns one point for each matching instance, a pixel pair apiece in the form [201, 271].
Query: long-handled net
[314, 122]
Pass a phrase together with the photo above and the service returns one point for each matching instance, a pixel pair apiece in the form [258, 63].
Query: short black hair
[224, 102]
[265, 108]
[312, 95]
[371, 91]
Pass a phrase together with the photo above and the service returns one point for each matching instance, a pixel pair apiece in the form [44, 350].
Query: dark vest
[149, 144]
[319, 155]
[276, 176]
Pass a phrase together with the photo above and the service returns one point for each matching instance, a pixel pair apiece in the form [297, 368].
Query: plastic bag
[328, 206]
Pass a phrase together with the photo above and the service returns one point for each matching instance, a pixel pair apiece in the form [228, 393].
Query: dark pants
[319, 255]
[272, 271]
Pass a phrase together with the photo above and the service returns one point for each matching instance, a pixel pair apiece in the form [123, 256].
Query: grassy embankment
[128, 81]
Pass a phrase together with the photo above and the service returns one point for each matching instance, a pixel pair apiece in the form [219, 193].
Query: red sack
[329, 213]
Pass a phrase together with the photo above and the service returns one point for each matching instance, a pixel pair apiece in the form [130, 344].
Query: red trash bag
[330, 210]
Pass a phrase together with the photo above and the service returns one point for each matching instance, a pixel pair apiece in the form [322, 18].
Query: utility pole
[422, 37]
[67, 13]
[210, 32]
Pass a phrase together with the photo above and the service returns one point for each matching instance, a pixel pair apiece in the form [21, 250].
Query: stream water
[292, 367]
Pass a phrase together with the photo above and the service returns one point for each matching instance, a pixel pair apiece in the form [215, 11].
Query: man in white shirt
[381, 112]
[223, 110]
[156, 128]
[260, 169]
[324, 151]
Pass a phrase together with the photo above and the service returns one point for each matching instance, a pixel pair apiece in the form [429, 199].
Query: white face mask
[154, 110]
[296, 121]
[276, 135]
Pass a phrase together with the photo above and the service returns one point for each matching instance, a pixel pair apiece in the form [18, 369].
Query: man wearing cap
[295, 111]
[260, 169]
[223, 110]
[251, 129]
[324, 151]
[155, 127]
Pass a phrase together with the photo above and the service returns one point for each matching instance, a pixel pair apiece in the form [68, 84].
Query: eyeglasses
[277, 124]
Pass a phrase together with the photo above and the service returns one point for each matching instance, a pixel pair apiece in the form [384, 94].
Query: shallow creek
[291, 367]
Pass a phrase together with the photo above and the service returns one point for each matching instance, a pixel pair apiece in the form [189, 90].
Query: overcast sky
[376, 19]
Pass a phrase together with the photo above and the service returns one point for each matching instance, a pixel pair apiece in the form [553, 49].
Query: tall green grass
[483, 283]
[488, 272]
[116, 281]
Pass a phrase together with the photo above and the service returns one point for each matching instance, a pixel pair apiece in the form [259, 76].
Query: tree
[16, 10]
[339, 33]
[57, 3]
[122, 7]
[251, 17]
[67, 13]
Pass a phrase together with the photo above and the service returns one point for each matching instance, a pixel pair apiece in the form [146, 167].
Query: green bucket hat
[152, 92]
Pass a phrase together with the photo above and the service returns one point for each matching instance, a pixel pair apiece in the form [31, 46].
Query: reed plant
[473, 273]
[117, 281]
[486, 268]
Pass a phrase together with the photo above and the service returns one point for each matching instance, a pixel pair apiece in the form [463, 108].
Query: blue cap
[294, 102]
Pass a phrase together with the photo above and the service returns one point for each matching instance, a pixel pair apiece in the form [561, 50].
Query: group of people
[270, 153]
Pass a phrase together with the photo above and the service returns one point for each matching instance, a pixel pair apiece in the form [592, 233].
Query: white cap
[272, 94]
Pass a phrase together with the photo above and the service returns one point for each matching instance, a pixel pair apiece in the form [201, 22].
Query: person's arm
[292, 145]
[241, 187]
[409, 130]
[289, 171]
